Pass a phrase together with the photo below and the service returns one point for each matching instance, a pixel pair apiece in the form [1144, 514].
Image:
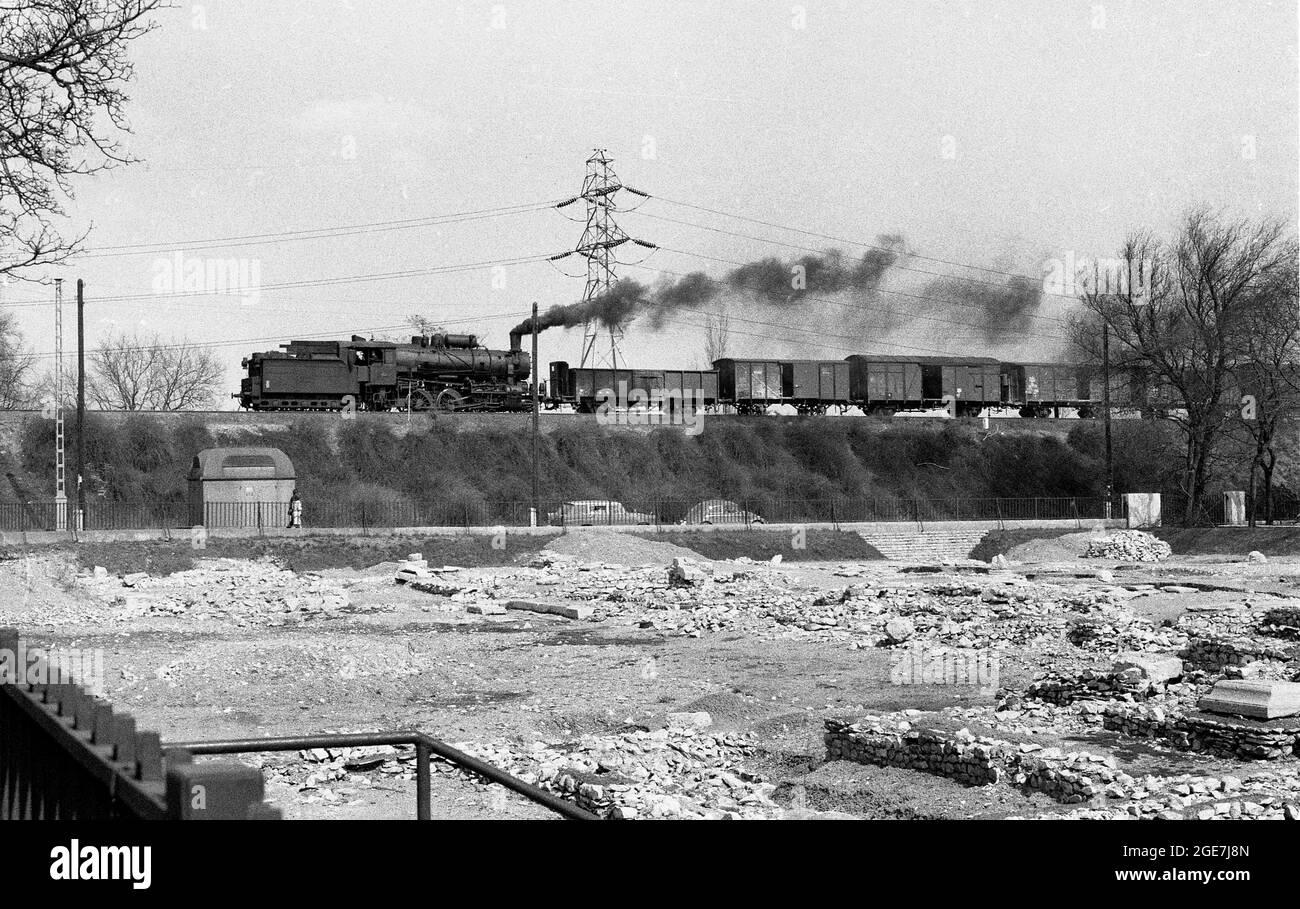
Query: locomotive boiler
[442, 372]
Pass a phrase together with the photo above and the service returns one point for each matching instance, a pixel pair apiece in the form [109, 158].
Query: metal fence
[66, 755]
[647, 511]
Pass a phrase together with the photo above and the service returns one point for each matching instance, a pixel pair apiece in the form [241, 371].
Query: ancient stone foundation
[1223, 736]
[1067, 778]
[1214, 654]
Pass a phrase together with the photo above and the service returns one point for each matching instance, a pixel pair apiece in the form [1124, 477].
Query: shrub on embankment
[759, 461]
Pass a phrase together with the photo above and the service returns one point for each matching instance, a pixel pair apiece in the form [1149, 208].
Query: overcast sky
[992, 134]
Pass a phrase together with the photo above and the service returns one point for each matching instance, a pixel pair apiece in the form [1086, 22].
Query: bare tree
[1266, 374]
[63, 72]
[423, 325]
[187, 377]
[134, 372]
[17, 367]
[717, 335]
[1179, 319]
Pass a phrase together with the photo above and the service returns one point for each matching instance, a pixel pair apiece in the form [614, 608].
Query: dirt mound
[616, 548]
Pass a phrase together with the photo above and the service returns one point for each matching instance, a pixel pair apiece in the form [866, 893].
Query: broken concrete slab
[1253, 698]
[560, 609]
[1157, 667]
[485, 609]
[409, 572]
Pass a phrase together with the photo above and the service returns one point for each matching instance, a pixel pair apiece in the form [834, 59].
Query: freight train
[451, 372]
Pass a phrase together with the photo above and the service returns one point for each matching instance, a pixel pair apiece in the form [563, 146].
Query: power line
[303, 336]
[345, 230]
[314, 282]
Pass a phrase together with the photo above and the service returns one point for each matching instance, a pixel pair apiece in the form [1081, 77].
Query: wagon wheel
[421, 400]
[448, 400]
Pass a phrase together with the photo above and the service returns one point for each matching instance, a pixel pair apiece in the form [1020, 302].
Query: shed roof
[241, 464]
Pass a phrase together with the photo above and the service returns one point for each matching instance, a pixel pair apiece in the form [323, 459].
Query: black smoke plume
[768, 282]
[998, 309]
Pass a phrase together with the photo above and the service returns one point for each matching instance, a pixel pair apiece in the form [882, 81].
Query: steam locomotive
[444, 372]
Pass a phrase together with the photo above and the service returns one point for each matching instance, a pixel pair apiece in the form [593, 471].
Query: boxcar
[810, 386]
[885, 384]
[586, 388]
[1042, 389]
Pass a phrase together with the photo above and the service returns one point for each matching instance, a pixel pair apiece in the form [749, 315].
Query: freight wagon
[810, 386]
[885, 385]
[1042, 389]
[660, 389]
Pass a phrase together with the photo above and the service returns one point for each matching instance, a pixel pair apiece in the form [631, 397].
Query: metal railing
[425, 747]
[646, 511]
[66, 755]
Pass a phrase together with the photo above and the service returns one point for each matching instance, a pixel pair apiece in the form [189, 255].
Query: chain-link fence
[644, 511]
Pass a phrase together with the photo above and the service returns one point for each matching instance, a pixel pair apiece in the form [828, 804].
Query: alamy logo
[657, 407]
[201, 275]
[75, 862]
[53, 666]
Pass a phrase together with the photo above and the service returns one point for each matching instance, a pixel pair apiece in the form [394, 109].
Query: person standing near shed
[295, 510]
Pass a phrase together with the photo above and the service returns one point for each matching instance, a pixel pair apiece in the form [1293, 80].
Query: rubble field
[1110, 678]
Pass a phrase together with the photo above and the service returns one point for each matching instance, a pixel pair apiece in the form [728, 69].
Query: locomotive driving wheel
[448, 400]
[421, 400]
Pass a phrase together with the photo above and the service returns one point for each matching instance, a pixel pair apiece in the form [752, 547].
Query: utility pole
[1105, 406]
[600, 237]
[60, 485]
[536, 514]
[81, 405]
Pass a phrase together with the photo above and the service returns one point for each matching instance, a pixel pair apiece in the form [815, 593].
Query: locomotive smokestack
[516, 339]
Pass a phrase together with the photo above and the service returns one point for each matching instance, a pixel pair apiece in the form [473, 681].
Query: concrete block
[572, 612]
[1253, 698]
[485, 609]
[560, 609]
[1158, 667]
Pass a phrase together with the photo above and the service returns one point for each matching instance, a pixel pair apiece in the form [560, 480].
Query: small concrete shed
[241, 487]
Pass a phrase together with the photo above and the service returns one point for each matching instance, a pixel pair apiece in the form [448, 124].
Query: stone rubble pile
[1269, 795]
[1128, 546]
[1062, 689]
[1281, 622]
[248, 593]
[678, 772]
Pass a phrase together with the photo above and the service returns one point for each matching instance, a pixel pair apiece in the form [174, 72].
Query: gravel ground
[249, 648]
